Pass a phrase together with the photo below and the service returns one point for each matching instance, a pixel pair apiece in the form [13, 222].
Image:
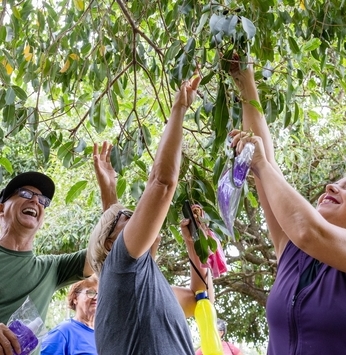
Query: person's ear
[108, 244]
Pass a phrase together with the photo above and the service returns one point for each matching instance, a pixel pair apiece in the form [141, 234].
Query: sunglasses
[126, 213]
[89, 293]
[28, 194]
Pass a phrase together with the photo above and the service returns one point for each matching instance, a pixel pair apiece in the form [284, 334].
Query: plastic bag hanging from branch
[231, 182]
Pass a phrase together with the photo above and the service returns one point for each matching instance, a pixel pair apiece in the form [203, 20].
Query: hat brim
[32, 178]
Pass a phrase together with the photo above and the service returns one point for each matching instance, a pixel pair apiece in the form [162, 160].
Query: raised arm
[105, 175]
[186, 296]
[142, 229]
[318, 232]
[255, 122]
[106, 178]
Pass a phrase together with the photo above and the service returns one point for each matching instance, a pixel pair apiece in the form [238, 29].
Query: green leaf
[44, 147]
[249, 27]
[311, 45]
[97, 117]
[205, 80]
[212, 244]
[202, 247]
[65, 149]
[293, 45]
[218, 167]
[6, 164]
[296, 112]
[271, 111]
[128, 152]
[118, 88]
[257, 105]
[203, 20]
[137, 189]
[20, 93]
[216, 23]
[190, 48]
[10, 96]
[113, 103]
[16, 12]
[81, 146]
[90, 199]
[8, 116]
[41, 20]
[75, 191]
[287, 119]
[221, 112]
[2, 33]
[172, 51]
[116, 159]
[176, 234]
[147, 135]
[141, 165]
[252, 199]
[33, 119]
[121, 186]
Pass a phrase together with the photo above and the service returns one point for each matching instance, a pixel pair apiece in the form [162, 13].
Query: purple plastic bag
[28, 326]
[231, 183]
[26, 337]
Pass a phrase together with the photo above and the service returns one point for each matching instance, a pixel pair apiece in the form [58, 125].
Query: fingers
[185, 230]
[8, 341]
[108, 156]
[192, 84]
[104, 149]
[105, 154]
[184, 222]
[237, 135]
[240, 138]
[195, 82]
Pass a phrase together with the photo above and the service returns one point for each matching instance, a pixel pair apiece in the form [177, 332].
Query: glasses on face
[89, 293]
[126, 213]
[28, 194]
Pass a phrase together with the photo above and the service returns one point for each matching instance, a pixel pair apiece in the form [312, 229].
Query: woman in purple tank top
[306, 308]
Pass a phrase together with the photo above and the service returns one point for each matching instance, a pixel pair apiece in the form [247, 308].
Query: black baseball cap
[30, 178]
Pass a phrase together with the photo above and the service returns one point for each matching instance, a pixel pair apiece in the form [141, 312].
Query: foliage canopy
[78, 72]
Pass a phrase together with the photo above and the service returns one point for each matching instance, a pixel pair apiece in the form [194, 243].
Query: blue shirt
[69, 338]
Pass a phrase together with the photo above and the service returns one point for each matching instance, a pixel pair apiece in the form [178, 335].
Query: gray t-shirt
[137, 311]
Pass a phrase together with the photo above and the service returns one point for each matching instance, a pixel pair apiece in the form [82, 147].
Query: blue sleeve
[54, 343]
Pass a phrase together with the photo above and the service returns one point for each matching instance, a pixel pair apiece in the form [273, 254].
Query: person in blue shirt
[75, 335]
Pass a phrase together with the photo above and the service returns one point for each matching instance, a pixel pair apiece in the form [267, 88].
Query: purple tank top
[314, 320]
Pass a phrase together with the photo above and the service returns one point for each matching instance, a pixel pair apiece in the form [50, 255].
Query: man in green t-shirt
[22, 273]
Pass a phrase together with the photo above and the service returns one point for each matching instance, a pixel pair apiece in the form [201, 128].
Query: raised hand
[185, 231]
[105, 174]
[241, 138]
[188, 91]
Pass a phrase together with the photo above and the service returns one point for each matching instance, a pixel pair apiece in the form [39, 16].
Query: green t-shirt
[24, 274]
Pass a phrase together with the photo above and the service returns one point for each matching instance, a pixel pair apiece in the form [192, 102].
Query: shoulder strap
[229, 347]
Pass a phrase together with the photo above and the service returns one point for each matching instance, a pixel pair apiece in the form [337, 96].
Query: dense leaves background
[78, 72]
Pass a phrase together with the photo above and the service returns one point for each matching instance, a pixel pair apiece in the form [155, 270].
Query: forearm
[168, 156]
[203, 281]
[108, 197]
[253, 119]
[293, 213]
